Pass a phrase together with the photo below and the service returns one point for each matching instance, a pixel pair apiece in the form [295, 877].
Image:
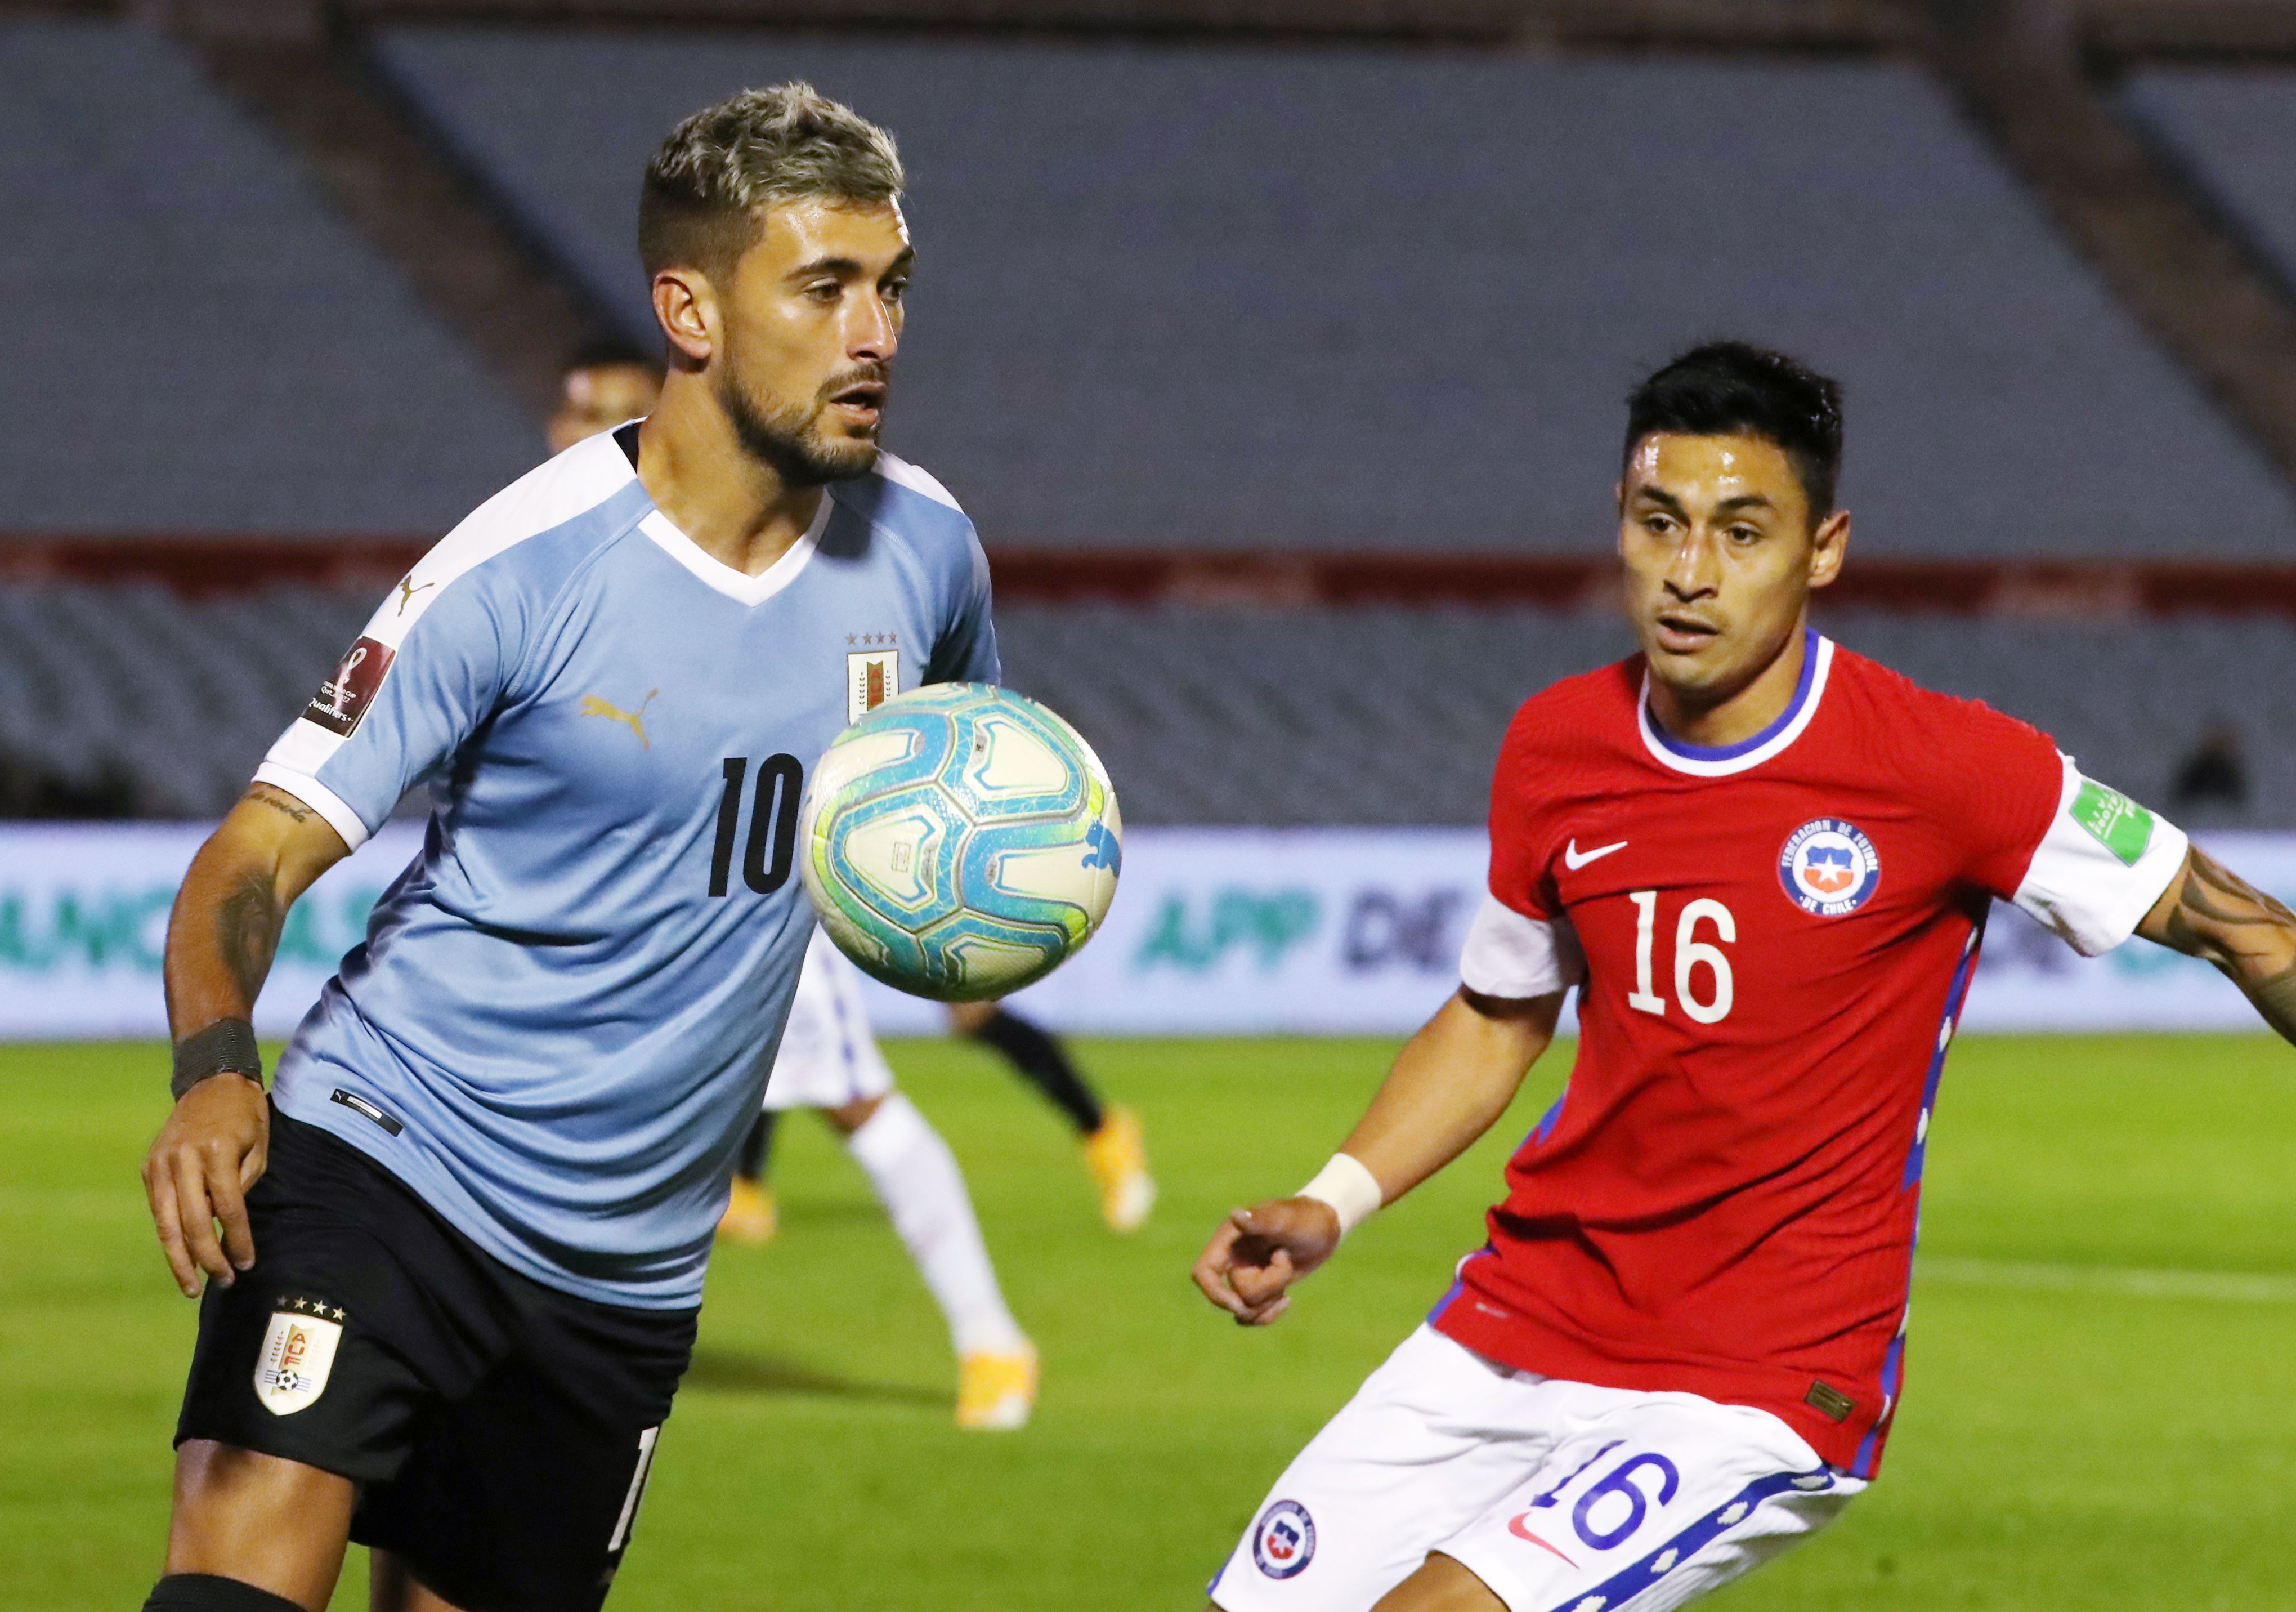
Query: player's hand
[1252, 1260]
[210, 1151]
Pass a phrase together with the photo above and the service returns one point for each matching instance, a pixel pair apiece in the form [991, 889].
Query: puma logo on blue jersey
[634, 721]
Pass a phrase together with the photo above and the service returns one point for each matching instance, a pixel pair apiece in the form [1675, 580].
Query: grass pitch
[2071, 1439]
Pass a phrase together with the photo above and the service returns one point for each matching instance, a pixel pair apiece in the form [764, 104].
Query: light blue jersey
[564, 1015]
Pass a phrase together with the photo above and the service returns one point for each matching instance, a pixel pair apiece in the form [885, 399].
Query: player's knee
[1440, 1585]
[851, 1117]
[206, 1592]
[970, 1019]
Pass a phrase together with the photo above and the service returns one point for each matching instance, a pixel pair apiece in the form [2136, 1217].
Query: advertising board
[1214, 932]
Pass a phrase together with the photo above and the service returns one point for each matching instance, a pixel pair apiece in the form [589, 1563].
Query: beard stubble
[785, 439]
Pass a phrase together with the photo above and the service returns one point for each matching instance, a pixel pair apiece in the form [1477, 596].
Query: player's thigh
[278, 1524]
[832, 1064]
[829, 1083]
[525, 1496]
[1423, 1448]
[1651, 1502]
[349, 1328]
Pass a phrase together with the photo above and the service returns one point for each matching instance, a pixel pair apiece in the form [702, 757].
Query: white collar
[738, 585]
[1705, 761]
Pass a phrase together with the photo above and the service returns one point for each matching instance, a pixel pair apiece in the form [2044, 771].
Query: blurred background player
[609, 381]
[1114, 1150]
[831, 1062]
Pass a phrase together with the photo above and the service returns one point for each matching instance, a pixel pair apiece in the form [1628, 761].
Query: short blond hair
[722, 167]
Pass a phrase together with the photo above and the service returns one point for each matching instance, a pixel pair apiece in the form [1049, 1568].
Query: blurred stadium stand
[2234, 129]
[1209, 296]
[1282, 373]
[194, 341]
[162, 704]
[166, 703]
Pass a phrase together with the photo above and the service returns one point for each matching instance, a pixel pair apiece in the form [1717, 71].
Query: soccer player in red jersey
[1764, 862]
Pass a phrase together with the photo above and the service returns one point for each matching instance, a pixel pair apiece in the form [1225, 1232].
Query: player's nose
[876, 333]
[1694, 572]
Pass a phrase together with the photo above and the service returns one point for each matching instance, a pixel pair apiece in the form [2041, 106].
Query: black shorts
[500, 1431]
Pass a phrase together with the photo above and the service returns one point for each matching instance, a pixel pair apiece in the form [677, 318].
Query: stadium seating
[189, 341]
[1381, 716]
[181, 698]
[1230, 296]
[2235, 130]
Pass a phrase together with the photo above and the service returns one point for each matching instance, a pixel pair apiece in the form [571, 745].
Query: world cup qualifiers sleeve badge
[1284, 1539]
[1829, 867]
[343, 698]
[297, 1353]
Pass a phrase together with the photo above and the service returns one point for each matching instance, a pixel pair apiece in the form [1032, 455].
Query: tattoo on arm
[279, 800]
[247, 931]
[2222, 919]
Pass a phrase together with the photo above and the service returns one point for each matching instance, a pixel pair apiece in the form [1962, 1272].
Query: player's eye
[825, 291]
[1743, 535]
[895, 290]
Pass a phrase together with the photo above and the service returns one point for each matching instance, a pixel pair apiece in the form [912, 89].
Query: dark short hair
[613, 352]
[721, 167]
[1731, 388]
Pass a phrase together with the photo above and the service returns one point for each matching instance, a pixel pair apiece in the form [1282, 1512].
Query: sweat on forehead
[1735, 388]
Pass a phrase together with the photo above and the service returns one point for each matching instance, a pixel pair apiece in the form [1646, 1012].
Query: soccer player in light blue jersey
[462, 1240]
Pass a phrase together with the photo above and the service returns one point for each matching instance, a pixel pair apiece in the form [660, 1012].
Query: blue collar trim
[1731, 752]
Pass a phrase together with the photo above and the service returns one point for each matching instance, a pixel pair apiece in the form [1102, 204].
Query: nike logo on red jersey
[1575, 859]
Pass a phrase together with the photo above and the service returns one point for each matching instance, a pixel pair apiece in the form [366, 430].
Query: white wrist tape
[1349, 1188]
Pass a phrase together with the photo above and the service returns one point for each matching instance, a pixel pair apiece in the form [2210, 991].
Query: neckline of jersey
[1710, 762]
[719, 576]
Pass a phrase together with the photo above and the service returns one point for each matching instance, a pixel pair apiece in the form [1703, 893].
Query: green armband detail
[2113, 821]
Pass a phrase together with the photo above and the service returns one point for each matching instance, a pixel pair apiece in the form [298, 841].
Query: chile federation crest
[1284, 1539]
[1829, 867]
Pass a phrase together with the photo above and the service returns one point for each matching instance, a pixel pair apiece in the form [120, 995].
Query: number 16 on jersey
[1690, 953]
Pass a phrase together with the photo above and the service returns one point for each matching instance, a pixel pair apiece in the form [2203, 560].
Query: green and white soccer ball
[960, 842]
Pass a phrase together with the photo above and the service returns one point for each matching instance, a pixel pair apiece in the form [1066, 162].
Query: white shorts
[1560, 1496]
[828, 1057]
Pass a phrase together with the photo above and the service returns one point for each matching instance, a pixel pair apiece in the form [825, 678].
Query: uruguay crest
[298, 1354]
[1284, 1539]
[1829, 867]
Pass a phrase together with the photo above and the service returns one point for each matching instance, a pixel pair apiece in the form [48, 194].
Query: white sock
[917, 1178]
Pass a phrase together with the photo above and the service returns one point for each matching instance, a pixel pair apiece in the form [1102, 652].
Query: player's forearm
[221, 938]
[2211, 913]
[1448, 1085]
[225, 927]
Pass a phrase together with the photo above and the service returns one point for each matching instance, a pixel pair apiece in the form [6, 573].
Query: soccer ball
[960, 842]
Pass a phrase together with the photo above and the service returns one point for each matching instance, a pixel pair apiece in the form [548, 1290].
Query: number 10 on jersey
[1689, 953]
[772, 825]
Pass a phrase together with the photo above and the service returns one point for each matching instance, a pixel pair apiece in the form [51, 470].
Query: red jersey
[1776, 941]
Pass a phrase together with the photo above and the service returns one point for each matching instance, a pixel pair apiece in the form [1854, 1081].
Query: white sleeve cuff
[2103, 862]
[319, 798]
[1350, 1189]
[1510, 955]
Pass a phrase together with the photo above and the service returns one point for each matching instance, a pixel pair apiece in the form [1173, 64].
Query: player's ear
[1829, 544]
[686, 306]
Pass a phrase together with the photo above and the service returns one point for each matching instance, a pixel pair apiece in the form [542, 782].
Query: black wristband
[225, 1047]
